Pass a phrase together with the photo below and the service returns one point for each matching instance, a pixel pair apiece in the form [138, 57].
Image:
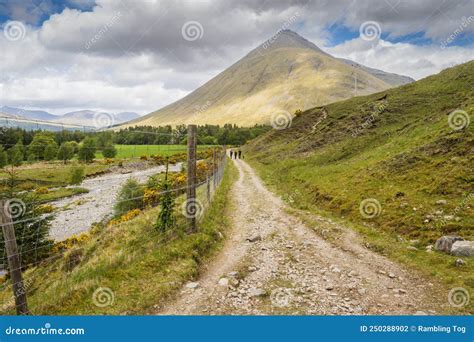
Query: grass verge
[129, 266]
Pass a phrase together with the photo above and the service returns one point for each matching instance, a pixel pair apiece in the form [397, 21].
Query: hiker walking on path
[240, 153]
[231, 153]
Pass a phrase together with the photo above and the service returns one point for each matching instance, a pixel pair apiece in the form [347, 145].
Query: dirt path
[293, 270]
[77, 213]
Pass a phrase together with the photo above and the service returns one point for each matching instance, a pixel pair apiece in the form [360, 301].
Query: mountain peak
[286, 39]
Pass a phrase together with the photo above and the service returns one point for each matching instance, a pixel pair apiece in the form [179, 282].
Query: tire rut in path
[292, 270]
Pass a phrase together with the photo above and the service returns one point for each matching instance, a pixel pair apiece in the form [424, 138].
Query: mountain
[283, 74]
[28, 114]
[408, 151]
[94, 118]
[55, 122]
[390, 78]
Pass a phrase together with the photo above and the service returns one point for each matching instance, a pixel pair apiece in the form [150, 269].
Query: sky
[140, 55]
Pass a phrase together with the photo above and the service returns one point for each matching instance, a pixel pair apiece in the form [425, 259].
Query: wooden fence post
[191, 204]
[14, 264]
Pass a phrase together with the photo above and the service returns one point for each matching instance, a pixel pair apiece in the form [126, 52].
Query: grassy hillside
[396, 147]
[139, 265]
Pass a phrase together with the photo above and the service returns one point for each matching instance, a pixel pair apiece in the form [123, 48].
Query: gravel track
[293, 270]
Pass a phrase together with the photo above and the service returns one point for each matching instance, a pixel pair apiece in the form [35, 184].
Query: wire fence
[32, 250]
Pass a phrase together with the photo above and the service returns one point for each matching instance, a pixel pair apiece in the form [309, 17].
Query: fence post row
[191, 180]
[14, 264]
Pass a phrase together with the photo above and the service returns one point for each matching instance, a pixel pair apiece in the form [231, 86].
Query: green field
[135, 151]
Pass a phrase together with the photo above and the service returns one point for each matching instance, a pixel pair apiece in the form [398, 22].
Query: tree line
[18, 145]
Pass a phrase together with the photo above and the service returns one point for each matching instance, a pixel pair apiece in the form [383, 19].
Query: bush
[166, 219]
[298, 112]
[109, 151]
[42, 190]
[129, 198]
[77, 175]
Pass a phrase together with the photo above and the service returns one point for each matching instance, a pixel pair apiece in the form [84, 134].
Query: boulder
[463, 248]
[441, 202]
[445, 243]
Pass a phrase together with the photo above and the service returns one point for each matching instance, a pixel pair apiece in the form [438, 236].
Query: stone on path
[192, 285]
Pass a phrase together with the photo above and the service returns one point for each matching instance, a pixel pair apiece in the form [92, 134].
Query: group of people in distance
[235, 154]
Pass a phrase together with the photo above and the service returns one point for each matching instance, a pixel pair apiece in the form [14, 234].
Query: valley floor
[289, 269]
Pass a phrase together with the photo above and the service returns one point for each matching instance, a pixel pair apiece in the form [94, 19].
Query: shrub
[130, 197]
[109, 151]
[298, 112]
[77, 175]
[143, 157]
[42, 190]
[166, 219]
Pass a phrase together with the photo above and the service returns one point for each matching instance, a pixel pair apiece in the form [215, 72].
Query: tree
[130, 197]
[51, 152]
[109, 151]
[77, 175]
[66, 152]
[166, 219]
[30, 223]
[87, 150]
[3, 158]
[15, 155]
[40, 141]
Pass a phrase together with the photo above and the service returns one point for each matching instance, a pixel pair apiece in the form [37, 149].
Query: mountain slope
[409, 151]
[284, 74]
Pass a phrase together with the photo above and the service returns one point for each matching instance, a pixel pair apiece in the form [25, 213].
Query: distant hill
[28, 118]
[283, 74]
[28, 114]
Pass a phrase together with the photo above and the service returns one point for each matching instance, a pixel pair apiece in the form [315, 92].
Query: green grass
[407, 158]
[56, 194]
[142, 267]
[49, 174]
[136, 151]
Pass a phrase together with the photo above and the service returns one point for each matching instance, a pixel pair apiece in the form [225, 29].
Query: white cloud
[131, 56]
[402, 58]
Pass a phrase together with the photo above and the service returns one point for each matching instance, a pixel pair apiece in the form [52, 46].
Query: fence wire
[31, 228]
